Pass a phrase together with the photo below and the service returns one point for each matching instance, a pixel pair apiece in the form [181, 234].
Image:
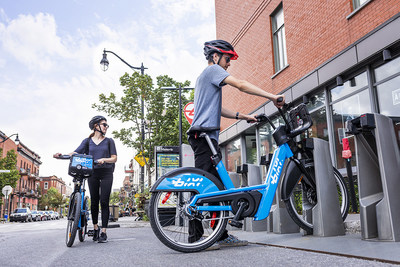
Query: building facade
[25, 193]
[344, 55]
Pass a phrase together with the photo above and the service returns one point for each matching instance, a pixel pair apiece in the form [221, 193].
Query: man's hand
[279, 97]
[57, 155]
[249, 118]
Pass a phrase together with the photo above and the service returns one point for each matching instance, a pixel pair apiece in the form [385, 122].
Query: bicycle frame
[267, 189]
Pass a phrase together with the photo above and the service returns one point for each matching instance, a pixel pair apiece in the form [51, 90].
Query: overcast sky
[49, 64]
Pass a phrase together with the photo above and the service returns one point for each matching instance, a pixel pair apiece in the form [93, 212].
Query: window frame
[278, 41]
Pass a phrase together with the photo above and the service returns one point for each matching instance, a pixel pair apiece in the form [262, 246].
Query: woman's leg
[94, 187]
[106, 186]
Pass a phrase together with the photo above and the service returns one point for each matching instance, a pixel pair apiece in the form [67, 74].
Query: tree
[52, 199]
[9, 162]
[161, 116]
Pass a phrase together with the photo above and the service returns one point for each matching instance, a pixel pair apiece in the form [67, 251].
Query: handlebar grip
[64, 157]
[280, 99]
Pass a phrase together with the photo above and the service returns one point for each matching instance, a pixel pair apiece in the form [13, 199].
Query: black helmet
[219, 46]
[94, 120]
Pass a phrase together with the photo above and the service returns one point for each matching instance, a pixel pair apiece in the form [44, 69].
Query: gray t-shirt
[208, 98]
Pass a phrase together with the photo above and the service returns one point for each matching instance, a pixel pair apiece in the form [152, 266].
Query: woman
[100, 183]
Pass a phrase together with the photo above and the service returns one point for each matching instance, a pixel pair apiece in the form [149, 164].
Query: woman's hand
[57, 155]
[101, 161]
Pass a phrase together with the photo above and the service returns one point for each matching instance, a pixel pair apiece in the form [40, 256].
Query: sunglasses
[105, 125]
[227, 59]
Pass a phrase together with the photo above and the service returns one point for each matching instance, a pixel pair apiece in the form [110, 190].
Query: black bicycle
[80, 168]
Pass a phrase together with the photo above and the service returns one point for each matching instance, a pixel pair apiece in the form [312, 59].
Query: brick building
[342, 54]
[25, 194]
[53, 181]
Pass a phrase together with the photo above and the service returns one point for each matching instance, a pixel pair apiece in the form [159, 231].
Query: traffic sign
[189, 112]
[6, 190]
[139, 158]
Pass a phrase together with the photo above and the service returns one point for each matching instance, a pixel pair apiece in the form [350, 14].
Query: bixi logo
[188, 182]
[276, 169]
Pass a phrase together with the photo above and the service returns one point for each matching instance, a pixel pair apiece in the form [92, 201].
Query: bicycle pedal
[235, 223]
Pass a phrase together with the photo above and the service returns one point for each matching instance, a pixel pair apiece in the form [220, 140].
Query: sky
[50, 72]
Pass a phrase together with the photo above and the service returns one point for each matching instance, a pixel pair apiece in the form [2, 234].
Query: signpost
[6, 191]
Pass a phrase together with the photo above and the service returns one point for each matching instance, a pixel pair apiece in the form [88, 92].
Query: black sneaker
[96, 234]
[103, 238]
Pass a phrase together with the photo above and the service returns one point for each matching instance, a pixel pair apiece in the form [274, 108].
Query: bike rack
[325, 215]
[378, 165]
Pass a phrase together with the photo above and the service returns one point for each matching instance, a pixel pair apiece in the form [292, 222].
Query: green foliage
[142, 197]
[52, 199]
[9, 162]
[114, 198]
[161, 113]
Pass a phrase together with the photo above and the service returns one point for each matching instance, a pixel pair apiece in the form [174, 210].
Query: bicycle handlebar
[69, 157]
[303, 125]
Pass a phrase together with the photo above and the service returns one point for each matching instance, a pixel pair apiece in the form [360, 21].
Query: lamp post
[104, 62]
[180, 107]
[16, 139]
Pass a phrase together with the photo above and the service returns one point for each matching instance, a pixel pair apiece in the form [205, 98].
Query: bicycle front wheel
[84, 219]
[304, 198]
[73, 219]
[180, 231]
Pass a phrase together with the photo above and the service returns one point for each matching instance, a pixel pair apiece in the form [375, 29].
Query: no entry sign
[189, 112]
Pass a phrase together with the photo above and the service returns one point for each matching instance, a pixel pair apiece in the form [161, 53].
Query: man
[208, 111]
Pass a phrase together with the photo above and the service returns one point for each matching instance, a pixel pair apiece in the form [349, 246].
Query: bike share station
[378, 169]
[378, 165]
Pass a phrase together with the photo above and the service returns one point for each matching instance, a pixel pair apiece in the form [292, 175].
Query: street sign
[6, 190]
[140, 160]
[5, 171]
[189, 112]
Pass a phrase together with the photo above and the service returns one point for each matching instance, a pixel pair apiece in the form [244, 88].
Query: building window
[233, 155]
[316, 107]
[46, 185]
[349, 101]
[358, 3]
[251, 149]
[387, 78]
[278, 37]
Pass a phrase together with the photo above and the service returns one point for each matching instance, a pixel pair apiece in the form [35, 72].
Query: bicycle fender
[188, 179]
[292, 177]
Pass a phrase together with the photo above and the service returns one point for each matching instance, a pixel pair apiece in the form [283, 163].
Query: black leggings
[100, 184]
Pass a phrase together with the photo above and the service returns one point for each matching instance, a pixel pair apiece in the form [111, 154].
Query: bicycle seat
[200, 129]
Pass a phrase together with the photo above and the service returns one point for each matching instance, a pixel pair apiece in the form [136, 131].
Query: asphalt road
[134, 244]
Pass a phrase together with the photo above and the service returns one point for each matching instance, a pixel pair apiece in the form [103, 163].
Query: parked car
[21, 214]
[48, 214]
[43, 216]
[36, 216]
[57, 215]
[52, 215]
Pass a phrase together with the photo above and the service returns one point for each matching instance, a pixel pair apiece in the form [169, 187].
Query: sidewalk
[350, 245]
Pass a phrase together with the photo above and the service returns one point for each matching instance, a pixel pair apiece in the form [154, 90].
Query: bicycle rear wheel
[304, 198]
[170, 222]
[74, 213]
[84, 219]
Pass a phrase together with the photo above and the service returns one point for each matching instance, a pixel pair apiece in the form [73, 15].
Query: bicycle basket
[81, 165]
[300, 119]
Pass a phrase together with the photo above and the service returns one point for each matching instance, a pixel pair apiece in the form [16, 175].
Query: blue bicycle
[188, 194]
[80, 168]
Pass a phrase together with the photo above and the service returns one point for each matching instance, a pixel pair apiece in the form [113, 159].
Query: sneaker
[103, 238]
[96, 234]
[232, 241]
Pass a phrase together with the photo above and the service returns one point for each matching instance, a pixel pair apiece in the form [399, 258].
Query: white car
[52, 215]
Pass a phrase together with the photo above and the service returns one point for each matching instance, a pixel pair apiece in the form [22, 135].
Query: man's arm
[240, 116]
[251, 89]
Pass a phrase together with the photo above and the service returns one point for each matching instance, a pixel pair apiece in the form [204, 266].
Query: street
[133, 243]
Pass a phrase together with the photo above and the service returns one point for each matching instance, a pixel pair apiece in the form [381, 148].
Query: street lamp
[16, 139]
[180, 107]
[104, 63]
